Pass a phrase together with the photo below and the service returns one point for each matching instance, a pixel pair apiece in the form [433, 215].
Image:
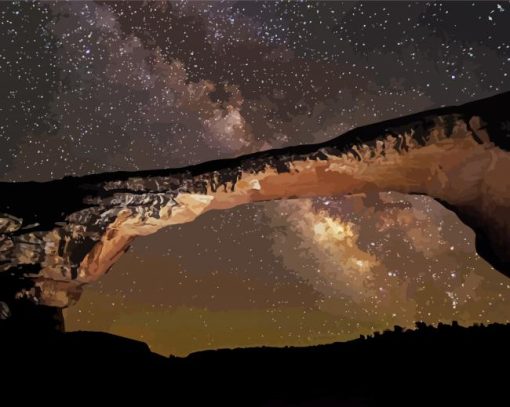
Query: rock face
[59, 235]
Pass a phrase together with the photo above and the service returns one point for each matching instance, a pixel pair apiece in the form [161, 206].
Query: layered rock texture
[57, 236]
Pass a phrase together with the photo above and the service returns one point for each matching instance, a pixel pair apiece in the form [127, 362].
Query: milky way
[103, 86]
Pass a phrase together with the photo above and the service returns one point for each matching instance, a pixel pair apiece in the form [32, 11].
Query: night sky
[102, 86]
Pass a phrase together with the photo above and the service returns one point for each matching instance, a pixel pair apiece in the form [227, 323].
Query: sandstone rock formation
[57, 236]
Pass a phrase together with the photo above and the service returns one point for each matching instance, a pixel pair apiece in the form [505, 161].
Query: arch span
[59, 235]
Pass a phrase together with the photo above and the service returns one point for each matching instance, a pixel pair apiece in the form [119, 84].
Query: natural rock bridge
[57, 236]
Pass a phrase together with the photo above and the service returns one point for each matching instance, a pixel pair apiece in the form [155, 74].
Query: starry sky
[102, 86]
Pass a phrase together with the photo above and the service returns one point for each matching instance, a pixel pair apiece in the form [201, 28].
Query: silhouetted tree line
[422, 328]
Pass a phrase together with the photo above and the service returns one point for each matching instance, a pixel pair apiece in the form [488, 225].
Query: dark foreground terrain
[444, 365]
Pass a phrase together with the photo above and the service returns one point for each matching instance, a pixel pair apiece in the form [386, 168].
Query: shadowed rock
[57, 236]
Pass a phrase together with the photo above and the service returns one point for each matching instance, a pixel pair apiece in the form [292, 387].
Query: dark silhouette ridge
[426, 366]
